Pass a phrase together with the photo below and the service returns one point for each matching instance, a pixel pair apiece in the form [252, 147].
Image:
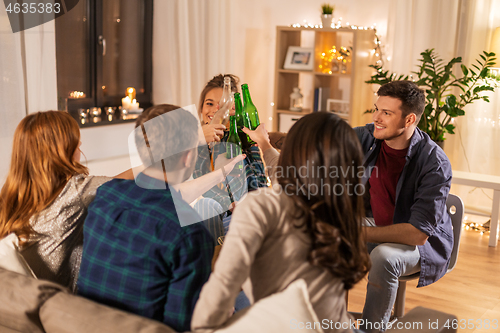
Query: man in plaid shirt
[137, 256]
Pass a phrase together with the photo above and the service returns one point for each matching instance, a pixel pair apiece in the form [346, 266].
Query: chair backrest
[455, 208]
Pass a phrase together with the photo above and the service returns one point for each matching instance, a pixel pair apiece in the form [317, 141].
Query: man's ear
[188, 158]
[410, 119]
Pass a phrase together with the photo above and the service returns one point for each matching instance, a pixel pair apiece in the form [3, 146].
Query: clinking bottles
[249, 111]
[249, 108]
[233, 144]
[225, 104]
[241, 119]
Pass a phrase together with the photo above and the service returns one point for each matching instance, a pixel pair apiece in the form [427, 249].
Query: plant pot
[326, 20]
[440, 144]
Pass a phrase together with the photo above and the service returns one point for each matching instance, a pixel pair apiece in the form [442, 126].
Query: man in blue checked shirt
[143, 251]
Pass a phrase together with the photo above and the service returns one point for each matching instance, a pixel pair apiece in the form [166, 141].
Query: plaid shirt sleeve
[189, 269]
[254, 173]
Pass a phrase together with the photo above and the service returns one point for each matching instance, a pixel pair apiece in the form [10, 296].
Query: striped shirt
[136, 256]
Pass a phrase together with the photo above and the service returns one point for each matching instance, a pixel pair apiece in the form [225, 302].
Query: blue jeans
[241, 302]
[389, 262]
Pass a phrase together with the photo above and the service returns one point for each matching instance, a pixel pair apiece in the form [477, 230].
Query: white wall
[254, 36]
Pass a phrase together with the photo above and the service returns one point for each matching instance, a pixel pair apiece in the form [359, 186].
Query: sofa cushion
[21, 298]
[65, 313]
[282, 312]
[10, 258]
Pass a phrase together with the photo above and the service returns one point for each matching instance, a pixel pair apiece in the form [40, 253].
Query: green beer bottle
[249, 111]
[242, 120]
[233, 144]
[249, 108]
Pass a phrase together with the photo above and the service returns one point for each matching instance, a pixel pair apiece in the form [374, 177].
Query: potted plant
[327, 15]
[437, 79]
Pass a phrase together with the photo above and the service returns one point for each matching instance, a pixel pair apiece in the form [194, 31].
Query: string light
[334, 25]
[474, 226]
[335, 60]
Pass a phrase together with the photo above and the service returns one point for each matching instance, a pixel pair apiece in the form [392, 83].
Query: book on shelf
[321, 96]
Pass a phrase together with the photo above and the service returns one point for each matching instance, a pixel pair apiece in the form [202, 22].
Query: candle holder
[95, 111]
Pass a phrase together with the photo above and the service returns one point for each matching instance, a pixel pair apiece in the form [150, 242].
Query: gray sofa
[35, 306]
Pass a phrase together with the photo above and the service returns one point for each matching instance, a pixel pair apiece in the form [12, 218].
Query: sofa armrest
[21, 298]
[65, 313]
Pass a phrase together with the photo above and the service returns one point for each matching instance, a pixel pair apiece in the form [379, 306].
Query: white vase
[326, 20]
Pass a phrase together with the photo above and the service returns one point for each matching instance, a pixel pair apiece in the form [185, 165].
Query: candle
[130, 92]
[134, 106]
[126, 103]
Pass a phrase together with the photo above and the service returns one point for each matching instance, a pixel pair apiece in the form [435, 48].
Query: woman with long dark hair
[307, 227]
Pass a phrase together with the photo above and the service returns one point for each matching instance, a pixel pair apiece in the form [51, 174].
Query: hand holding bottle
[259, 136]
[225, 104]
[228, 164]
[213, 132]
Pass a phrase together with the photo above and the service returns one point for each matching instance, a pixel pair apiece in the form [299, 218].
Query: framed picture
[300, 58]
[339, 107]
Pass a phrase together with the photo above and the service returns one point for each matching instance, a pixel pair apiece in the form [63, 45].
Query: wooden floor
[470, 291]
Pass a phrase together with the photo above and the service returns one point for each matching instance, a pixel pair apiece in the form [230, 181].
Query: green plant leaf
[465, 70]
[430, 72]
[449, 128]
[451, 101]
[426, 56]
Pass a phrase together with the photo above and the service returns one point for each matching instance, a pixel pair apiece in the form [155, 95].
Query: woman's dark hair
[321, 163]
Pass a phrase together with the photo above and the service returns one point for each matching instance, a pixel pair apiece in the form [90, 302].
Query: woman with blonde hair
[253, 174]
[46, 194]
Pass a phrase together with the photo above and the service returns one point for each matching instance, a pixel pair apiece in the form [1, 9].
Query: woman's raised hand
[260, 136]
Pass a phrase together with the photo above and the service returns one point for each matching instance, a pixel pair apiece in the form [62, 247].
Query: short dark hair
[411, 96]
[167, 138]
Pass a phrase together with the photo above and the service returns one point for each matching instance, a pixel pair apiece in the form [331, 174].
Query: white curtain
[27, 79]
[417, 25]
[41, 73]
[12, 96]
[190, 46]
[476, 145]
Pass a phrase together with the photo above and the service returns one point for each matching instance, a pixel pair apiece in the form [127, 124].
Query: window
[103, 47]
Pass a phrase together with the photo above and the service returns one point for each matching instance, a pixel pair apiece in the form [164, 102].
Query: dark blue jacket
[421, 195]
